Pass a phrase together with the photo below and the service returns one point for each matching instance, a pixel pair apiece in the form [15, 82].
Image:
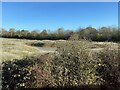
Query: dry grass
[18, 48]
[15, 49]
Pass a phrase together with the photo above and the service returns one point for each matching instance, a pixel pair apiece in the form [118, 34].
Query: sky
[60, 0]
[53, 15]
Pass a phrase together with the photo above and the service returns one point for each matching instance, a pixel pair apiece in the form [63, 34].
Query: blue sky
[52, 15]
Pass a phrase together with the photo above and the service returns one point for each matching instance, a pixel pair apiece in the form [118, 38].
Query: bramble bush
[109, 69]
[75, 64]
[29, 72]
[17, 73]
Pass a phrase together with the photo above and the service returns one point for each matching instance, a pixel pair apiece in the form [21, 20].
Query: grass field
[15, 49]
[18, 48]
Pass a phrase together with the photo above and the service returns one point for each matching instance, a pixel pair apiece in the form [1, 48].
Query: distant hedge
[88, 33]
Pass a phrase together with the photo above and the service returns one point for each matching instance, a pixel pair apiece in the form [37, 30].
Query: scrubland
[73, 63]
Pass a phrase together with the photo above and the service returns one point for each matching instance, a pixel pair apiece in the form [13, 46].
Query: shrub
[74, 65]
[29, 72]
[17, 74]
[74, 36]
[43, 72]
[108, 69]
[37, 44]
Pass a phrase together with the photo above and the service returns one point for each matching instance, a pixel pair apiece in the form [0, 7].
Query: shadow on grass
[39, 44]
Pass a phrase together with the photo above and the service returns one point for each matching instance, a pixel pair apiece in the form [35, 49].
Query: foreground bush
[17, 73]
[76, 64]
[109, 69]
[29, 72]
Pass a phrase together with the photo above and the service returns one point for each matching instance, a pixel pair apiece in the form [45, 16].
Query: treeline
[43, 35]
[88, 33]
